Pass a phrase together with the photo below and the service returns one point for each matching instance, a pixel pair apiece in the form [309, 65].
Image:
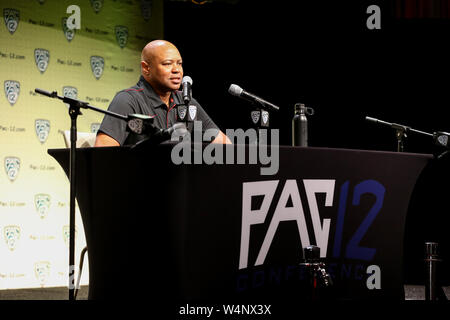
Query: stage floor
[412, 292]
[55, 293]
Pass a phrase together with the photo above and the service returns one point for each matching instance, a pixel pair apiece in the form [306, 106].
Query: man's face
[165, 71]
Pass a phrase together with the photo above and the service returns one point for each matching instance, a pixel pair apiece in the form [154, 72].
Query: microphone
[143, 124]
[140, 124]
[161, 135]
[237, 91]
[46, 93]
[187, 91]
[177, 127]
[441, 139]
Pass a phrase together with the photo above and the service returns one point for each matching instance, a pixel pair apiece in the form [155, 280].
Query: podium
[199, 232]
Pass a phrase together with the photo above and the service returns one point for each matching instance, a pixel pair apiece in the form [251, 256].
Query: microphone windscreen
[176, 126]
[371, 119]
[235, 90]
[43, 92]
[187, 79]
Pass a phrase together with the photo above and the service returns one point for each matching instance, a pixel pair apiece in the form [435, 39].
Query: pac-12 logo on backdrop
[12, 235]
[68, 33]
[97, 5]
[12, 167]
[146, 9]
[97, 66]
[66, 234]
[42, 58]
[42, 127]
[42, 271]
[121, 35]
[12, 90]
[94, 127]
[42, 204]
[12, 17]
[70, 92]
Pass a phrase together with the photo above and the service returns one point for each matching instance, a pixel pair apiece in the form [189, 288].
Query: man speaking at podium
[156, 93]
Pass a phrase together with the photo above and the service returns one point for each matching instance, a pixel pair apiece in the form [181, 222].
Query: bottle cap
[431, 249]
[299, 107]
[311, 253]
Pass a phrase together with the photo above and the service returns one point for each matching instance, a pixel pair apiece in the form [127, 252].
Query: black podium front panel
[224, 231]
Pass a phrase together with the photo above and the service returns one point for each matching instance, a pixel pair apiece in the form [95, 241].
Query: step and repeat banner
[39, 48]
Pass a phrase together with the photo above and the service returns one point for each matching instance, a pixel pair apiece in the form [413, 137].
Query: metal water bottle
[300, 126]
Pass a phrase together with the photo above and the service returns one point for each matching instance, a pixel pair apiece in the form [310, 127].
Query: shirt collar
[153, 96]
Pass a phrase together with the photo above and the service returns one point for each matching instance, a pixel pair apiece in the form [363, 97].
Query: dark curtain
[425, 9]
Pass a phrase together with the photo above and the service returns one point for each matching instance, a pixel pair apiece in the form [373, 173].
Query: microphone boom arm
[440, 138]
[79, 104]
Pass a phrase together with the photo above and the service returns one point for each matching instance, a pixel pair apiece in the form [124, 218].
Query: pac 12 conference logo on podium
[12, 17]
[349, 251]
[12, 90]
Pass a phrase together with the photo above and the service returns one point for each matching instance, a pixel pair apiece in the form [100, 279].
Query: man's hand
[221, 138]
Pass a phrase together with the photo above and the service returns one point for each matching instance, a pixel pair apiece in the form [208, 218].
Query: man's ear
[145, 68]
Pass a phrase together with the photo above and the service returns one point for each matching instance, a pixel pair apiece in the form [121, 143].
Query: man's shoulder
[129, 94]
[136, 89]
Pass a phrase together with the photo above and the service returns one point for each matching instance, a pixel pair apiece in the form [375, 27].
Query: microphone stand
[440, 138]
[74, 111]
[400, 131]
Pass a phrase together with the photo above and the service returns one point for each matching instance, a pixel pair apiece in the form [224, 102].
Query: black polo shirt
[142, 99]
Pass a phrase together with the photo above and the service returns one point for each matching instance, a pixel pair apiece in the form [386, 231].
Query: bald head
[161, 65]
[154, 47]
